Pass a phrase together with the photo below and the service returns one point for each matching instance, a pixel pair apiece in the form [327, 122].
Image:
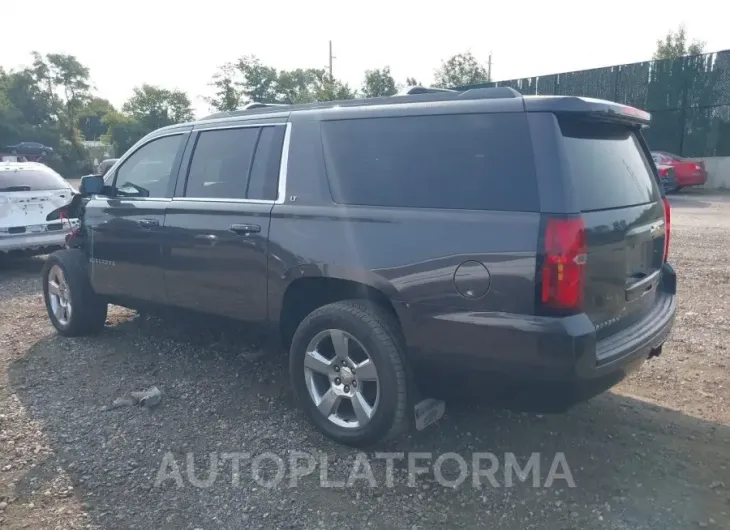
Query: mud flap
[656, 351]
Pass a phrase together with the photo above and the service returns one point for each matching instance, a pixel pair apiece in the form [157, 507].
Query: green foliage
[51, 102]
[123, 131]
[91, 118]
[248, 79]
[460, 69]
[674, 45]
[154, 107]
[378, 82]
[226, 94]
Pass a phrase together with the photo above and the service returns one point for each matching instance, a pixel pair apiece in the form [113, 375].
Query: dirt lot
[655, 453]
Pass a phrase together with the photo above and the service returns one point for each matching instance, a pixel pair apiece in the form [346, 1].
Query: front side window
[147, 172]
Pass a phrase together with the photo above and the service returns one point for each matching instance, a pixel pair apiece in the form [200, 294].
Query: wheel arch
[314, 287]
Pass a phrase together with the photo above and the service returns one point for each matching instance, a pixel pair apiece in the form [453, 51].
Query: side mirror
[91, 185]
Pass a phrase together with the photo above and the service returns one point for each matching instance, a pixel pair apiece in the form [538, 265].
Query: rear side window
[31, 180]
[608, 166]
[221, 163]
[462, 161]
[264, 181]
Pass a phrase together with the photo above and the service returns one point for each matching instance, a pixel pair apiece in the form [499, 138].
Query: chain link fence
[689, 98]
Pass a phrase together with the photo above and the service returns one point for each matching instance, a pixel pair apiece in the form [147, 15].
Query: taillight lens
[667, 227]
[663, 172]
[563, 271]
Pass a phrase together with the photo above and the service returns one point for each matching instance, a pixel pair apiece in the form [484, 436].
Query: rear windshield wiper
[16, 188]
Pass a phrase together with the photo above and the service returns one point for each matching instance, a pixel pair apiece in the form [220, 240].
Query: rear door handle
[148, 223]
[244, 230]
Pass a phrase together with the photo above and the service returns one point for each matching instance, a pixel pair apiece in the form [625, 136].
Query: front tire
[73, 306]
[346, 364]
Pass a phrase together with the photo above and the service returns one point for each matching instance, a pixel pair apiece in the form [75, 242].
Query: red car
[687, 172]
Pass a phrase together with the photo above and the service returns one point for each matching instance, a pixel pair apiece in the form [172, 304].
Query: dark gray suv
[481, 230]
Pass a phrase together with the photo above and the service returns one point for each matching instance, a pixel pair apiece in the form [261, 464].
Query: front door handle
[148, 223]
[244, 230]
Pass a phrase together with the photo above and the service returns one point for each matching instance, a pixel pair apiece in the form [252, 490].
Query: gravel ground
[654, 453]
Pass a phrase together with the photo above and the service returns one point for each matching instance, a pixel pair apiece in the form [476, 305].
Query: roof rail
[248, 106]
[412, 90]
[408, 95]
[497, 92]
[258, 105]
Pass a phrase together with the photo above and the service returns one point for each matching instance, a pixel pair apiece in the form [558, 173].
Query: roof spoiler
[598, 109]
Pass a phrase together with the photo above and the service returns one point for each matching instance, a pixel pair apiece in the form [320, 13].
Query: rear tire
[73, 306]
[363, 416]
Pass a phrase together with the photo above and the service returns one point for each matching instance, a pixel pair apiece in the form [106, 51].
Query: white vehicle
[32, 200]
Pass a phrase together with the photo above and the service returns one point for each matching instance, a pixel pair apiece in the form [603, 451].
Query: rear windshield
[457, 161]
[608, 166]
[31, 180]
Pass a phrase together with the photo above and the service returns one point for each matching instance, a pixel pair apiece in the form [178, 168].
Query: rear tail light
[563, 269]
[663, 172]
[667, 227]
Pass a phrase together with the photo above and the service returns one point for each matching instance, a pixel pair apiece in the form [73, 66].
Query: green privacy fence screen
[689, 98]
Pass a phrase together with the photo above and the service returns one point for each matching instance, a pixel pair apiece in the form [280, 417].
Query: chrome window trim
[214, 199]
[239, 126]
[283, 168]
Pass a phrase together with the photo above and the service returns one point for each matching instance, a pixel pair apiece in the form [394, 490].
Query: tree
[411, 81]
[674, 45]
[91, 118]
[259, 82]
[299, 86]
[248, 79]
[66, 84]
[123, 131]
[327, 89]
[23, 93]
[461, 69]
[72, 78]
[378, 82]
[154, 107]
[227, 95]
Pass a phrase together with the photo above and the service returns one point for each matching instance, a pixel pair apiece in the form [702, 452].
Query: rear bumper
[697, 179]
[24, 242]
[539, 349]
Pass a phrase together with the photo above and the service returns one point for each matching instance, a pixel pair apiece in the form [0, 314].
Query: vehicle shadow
[686, 201]
[11, 266]
[634, 464]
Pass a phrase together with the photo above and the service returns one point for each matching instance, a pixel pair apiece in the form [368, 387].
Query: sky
[180, 45]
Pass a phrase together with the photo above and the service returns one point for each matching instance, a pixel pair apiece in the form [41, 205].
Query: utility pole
[489, 67]
[331, 57]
